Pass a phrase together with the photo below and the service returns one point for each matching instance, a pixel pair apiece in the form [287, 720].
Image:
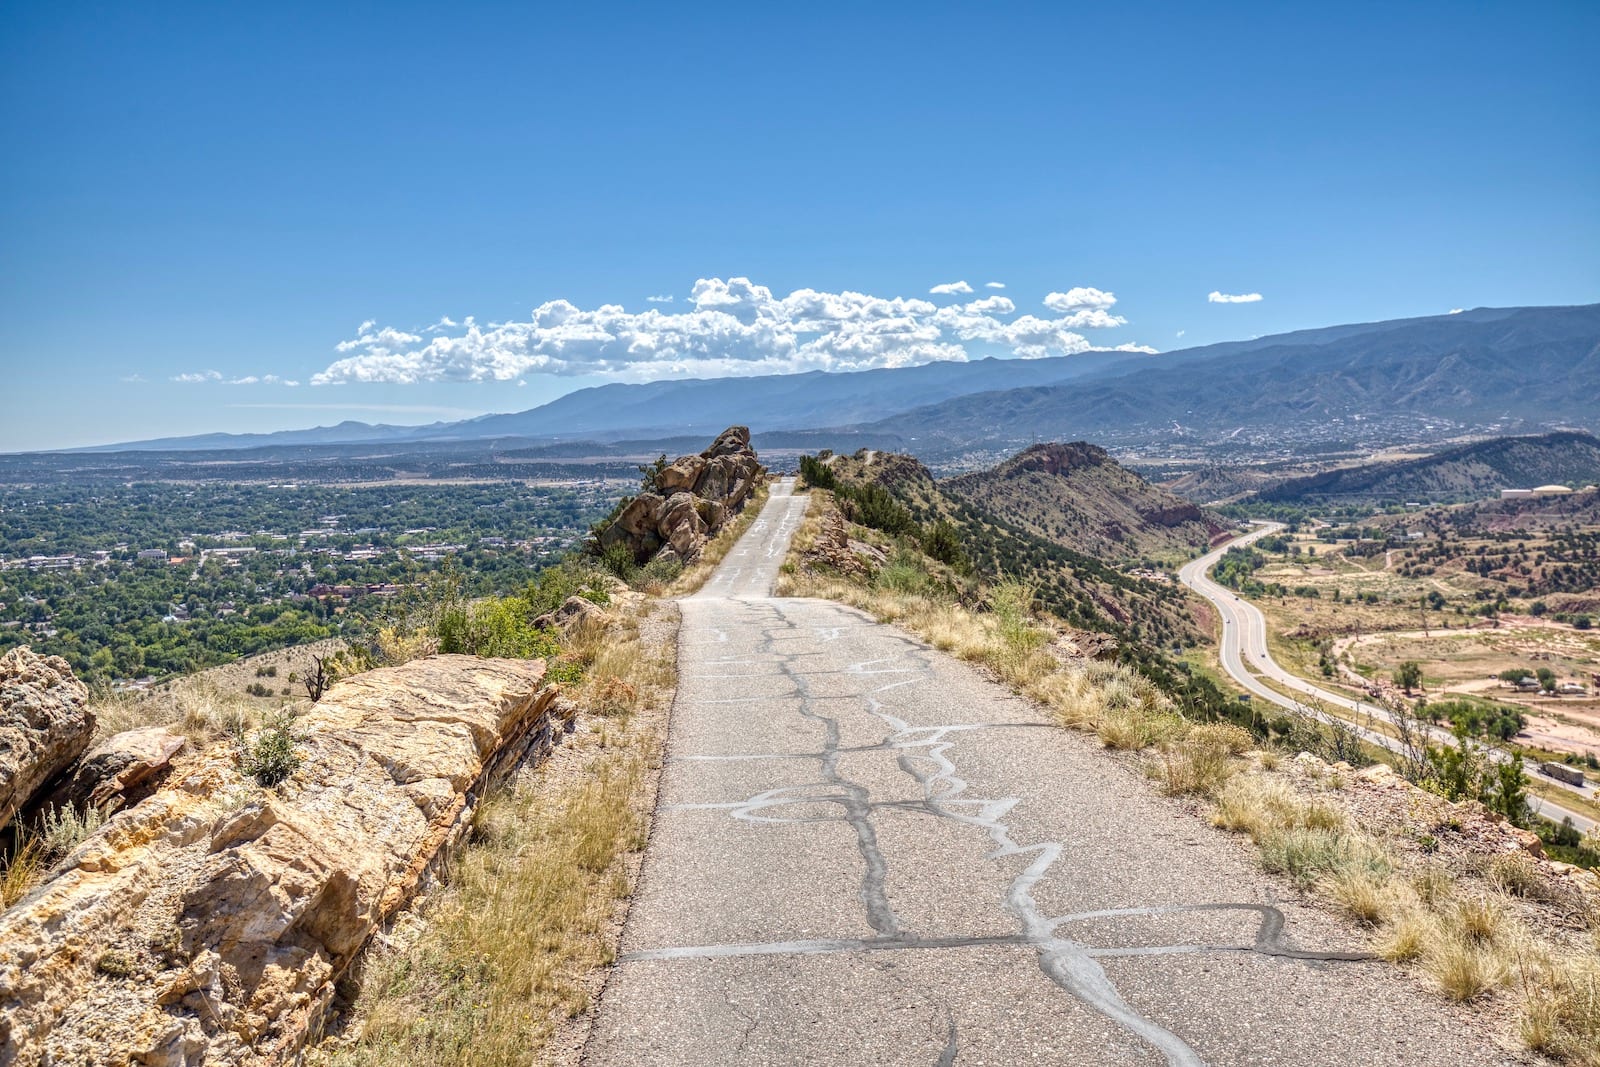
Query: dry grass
[530, 906]
[195, 707]
[1562, 1013]
[1463, 968]
[1362, 894]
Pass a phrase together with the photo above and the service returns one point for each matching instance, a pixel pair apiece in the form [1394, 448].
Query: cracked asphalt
[865, 852]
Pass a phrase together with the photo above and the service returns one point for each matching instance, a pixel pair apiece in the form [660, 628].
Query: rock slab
[45, 724]
[210, 923]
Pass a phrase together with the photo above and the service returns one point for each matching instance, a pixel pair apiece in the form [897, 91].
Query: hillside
[1470, 472]
[1075, 586]
[1077, 496]
[1410, 380]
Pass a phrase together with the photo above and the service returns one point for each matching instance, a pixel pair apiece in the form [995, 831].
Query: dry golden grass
[1561, 1017]
[1463, 968]
[530, 903]
[1407, 935]
[1362, 894]
[194, 707]
[1193, 767]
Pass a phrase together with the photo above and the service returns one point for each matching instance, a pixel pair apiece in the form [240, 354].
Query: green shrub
[270, 757]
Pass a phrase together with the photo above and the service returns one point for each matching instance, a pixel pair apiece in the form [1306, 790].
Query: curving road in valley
[1245, 658]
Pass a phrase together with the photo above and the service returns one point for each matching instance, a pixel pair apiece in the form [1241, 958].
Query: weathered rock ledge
[45, 724]
[210, 922]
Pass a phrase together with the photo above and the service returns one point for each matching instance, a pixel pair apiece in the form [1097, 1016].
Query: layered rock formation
[693, 497]
[120, 770]
[210, 922]
[45, 724]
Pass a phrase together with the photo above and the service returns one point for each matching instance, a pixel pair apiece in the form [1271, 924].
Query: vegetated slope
[1407, 380]
[1077, 496]
[1219, 483]
[1531, 514]
[1466, 473]
[1078, 588]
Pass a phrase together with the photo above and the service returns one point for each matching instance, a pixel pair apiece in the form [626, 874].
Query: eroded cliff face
[210, 922]
[45, 724]
[696, 496]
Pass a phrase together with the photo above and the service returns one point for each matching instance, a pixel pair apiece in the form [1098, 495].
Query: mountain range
[1488, 368]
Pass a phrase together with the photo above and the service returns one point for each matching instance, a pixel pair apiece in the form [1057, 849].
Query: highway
[1245, 658]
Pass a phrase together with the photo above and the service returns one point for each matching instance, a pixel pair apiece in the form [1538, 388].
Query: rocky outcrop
[692, 498]
[210, 923]
[45, 724]
[574, 612]
[836, 550]
[118, 771]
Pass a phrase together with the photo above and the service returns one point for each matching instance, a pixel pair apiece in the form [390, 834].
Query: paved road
[864, 853]
[1244, 640]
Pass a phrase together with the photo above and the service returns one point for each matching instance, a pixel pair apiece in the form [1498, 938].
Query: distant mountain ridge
[1530, 367]
[1470, 472]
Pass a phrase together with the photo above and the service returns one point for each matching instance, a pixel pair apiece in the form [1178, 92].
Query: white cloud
[659, 299]
[1081, 297]
[727, 327]
[1233, 298]
[951, 289]
[198, 376]
[994, 285]
[1182, 332]
[1457, 311]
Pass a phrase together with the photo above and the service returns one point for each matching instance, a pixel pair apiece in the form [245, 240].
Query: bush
[270, 757]
[943, 543]
[817, 474]
[873, 505]
[499, 627]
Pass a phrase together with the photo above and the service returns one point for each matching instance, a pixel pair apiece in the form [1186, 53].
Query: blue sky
[228, 194]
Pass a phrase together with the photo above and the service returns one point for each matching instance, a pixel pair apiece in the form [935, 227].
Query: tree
[1408, 675]
[1515, 674]
[1547, 679]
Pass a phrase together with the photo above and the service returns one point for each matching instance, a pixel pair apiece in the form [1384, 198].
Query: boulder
[211, 922]
[681, 474]
[119, 770]
[45, 724]
[573, 612]
[681, 526]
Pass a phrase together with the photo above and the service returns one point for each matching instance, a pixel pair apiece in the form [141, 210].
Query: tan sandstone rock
[45, 724]
[119, 770]
[701, 494]
[227, 912]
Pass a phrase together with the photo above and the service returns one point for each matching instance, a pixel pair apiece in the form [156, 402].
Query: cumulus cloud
[659, 299]
[1457, 311]
[1233, 298]
[951, 289]
[1182, 332]
[994, 285]
[1080, 297]
[726, 327]
[244, 379]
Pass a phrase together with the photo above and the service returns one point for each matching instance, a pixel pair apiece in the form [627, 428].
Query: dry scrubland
[1442, 889]
[1459, 653]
